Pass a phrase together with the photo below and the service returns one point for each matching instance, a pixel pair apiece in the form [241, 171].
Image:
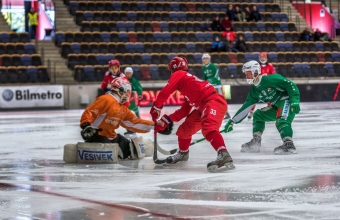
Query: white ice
[263, 185]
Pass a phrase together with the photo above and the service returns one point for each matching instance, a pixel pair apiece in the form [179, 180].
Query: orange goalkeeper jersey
[108, 114]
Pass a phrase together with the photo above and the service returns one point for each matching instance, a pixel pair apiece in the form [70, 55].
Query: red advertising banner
[150, 95]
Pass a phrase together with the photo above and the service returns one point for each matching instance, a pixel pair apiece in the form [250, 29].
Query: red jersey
[194, 90]
[267, 69]
[108, 77]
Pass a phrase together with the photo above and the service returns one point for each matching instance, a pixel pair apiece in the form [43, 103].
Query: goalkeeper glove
[89, 131]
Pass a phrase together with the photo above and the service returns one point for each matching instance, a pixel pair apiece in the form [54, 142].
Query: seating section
[23, 74]
[75, 6]
[19, 60]
[146, 34]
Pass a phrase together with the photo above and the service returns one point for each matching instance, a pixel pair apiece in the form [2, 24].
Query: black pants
[33, 31]
[120, 140]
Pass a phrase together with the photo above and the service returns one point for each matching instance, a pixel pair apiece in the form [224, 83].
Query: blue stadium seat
[89, 73]
[336, 56]
[284, 17]
[130, 47]
[4, 37]
[139, 47]
[232, 70]
[288, 46]
[59, 38]
[260, 7]
[276, 17]
[109, 57]
[105, 37]
[88, 15]
[123, 37]
[32, 73]
[281, 46]
[198, 57]
[249, 36]
[73, 7]
[174, 16]
[132, 16]
[208, 36]
[75, 48]
[101, 59]
[130, 26]
[171, 55]
[306, 69]
[182, 16]
[319, 46]
[200, 36]
[248, 57]
[26, 60]
[142, 6]
[146, 57]
[273, 57]
[330, 69]
[280, 36]
[174, 6]
[137, 72]
[284, 26]
[191, 47]
[117, 6]
[298, 70]
[261, 26]
[158, 36]
[164, 26]
[30, 48]
[166, 37]
[121, 26]
[154, 72]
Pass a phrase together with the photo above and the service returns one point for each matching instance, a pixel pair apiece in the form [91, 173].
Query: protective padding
[139, 146]
[91, 153]
[148, 145]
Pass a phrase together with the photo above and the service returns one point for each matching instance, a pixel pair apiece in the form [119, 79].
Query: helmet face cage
[254, 67]
[263, 58]
[122, 87]
[178, 63]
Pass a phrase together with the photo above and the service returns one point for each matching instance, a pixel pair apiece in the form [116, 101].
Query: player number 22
[213, 111]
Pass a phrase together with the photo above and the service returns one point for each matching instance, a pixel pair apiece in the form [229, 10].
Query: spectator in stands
[230, 34]
[217, 46]
[239, 15]
[255, 14]
[216, 24]
[231, 13]
[230, 45]
[318, 36]
[32, 23]
[307, 35]
[247, 13]
[206, 26]
[226, 24]
[241, 44]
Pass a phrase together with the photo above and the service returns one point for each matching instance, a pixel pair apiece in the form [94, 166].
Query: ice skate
[223, 160]
[253, 146]
[178, 157]
[287, 148]
[227, 116]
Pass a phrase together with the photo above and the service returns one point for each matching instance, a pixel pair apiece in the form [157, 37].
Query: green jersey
[210, 73]
[272, 88]
[136, 86]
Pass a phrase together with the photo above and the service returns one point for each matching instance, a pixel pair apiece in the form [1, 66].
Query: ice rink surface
[36, 184]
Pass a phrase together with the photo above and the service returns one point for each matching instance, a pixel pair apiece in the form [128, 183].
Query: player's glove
[140, 98]
[164, 125]
[295, 107]
[155, 113]
[88, 131]
[229, 126]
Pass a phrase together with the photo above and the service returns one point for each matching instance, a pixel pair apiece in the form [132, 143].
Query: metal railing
[289, 12]
[297, 22]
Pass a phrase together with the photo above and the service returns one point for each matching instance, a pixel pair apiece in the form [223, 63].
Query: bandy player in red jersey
[266, 69]
[203, 108]
[112, 73]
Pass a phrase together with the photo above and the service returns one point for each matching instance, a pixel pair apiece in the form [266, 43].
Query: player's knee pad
[141, 148]
[84, 152]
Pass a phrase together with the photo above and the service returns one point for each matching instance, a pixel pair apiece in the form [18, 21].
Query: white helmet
[255, 68]
[128, 70]
[122, 87]
[206, 55]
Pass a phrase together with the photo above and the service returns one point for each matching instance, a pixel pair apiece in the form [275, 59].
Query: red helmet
[114, 62]
[263, 57]
[178, 63]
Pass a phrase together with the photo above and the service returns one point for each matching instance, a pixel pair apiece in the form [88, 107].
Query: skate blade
[281, 152]
[225, 167]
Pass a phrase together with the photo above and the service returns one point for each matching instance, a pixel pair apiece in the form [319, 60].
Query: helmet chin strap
[117, 96]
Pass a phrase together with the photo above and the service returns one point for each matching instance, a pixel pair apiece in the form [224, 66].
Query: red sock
[216, 140]
[184, 144]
